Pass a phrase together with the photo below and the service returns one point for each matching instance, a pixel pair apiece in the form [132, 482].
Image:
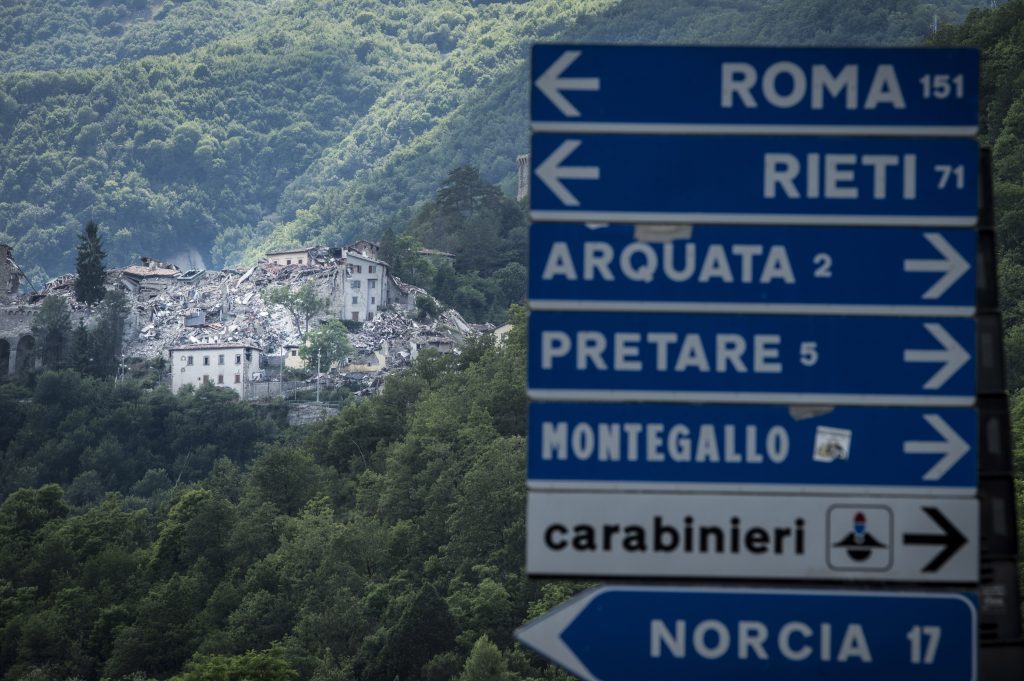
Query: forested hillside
[386, 543]
[148, 536]
[48, 36]
[1000, 35]
[219, 127]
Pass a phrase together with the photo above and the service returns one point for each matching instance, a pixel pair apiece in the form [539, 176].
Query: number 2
[823, 265]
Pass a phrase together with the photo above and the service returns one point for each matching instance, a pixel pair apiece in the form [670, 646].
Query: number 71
[946, 171]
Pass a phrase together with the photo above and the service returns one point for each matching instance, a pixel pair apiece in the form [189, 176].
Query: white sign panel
[584, 534]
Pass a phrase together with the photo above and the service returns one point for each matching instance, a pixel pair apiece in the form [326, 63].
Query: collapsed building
[174, 311]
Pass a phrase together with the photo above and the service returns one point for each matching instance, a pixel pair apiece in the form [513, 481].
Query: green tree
[52, 330]
[485, 663]
[303, 304]
[89, 287]
[80, 352]
[108, 338]
[264, 665]
[326, 344]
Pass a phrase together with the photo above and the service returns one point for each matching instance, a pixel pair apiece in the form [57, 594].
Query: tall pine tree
[89, 264]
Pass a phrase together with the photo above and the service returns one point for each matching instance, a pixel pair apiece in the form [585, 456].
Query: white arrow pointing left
[544, 634]
[952, 265]
[552, 84]
[551, 172]
[951, 446]
[952, 356]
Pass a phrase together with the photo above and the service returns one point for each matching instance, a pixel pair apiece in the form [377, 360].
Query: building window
[289, 261]
[206, 361]
[355, 316]
[373, 301]
[220, 379]
[369, 316]
[220, 359]
[370, 270]
[206, 379]
[238, 359]
[190, 360]
[357, 284]
[238, 378]
[300, 261]
[372, 283]
[355, 300]
[295, 353]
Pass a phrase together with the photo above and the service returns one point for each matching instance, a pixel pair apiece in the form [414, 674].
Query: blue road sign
[787, 359]
[687, 90]
[713, 268]
[754, 180]
[752, 448]
[621, 633]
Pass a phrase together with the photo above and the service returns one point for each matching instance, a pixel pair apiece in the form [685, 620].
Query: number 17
[916, 636]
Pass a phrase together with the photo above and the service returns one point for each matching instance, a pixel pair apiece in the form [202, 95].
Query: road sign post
[764, 343]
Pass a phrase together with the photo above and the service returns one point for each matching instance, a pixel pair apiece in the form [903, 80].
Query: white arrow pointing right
[952, 265]
[551, 172]
[952, 356]
[552, 84]
[951, 446]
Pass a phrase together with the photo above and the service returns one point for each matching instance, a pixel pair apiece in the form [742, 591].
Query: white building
[226, 365]
[365, 289]
[295, 256]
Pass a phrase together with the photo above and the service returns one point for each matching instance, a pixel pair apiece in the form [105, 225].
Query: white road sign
[587, 534]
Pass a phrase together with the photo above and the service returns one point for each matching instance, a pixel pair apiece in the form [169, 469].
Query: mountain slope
[270, 122]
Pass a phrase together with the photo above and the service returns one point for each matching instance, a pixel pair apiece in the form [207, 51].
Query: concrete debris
[170, 307]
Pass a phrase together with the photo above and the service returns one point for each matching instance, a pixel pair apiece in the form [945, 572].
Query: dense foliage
[485, 232]
[1000, 35]
[167, 535]
[200, 129]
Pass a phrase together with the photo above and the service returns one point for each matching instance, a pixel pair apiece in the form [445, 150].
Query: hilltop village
[208, 321]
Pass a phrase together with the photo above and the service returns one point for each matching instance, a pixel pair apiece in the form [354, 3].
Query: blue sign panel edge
[753, 449]
[786, 270]
[623, 178]
[565, 381]
[550, 646]
[556, 83]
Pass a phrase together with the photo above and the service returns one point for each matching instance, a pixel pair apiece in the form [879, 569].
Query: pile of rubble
[169, 307]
